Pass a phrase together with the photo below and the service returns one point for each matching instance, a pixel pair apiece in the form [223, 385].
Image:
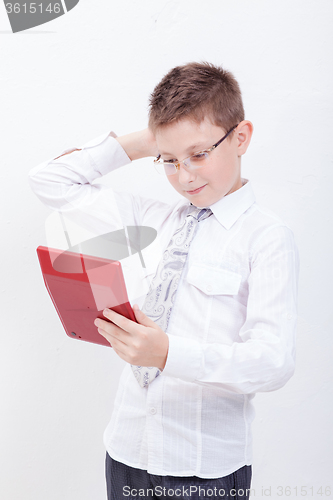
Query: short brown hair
[196, 90]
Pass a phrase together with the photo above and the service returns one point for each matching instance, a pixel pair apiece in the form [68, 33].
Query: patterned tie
[161, 295]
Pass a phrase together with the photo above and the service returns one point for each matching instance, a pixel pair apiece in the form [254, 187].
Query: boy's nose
[184, 176]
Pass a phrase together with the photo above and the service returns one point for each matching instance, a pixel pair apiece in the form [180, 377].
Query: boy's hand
[139, 144]
[143, 343]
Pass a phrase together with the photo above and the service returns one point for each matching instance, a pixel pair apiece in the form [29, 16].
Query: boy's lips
[195, 191]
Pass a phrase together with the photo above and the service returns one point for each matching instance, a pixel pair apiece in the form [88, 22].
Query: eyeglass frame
[159, 161]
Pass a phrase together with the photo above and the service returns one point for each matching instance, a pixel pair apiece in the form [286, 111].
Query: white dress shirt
[232, 327]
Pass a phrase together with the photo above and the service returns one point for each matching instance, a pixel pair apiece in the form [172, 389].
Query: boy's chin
[197, 202]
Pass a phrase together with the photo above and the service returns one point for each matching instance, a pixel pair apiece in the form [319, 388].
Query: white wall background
[91, 71]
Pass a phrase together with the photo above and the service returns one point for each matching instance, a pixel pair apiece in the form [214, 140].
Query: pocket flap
[214, 281]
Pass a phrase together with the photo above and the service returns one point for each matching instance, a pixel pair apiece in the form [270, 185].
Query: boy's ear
[244, 133]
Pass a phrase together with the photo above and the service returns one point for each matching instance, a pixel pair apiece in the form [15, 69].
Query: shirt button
[153, 411]
[209, 288]
[289, 316]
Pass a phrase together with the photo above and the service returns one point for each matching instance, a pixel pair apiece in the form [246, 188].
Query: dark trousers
[124, 482]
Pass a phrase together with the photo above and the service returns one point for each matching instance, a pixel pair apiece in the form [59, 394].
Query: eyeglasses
[193, 162]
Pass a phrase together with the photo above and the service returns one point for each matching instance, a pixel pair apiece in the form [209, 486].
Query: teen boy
[223, 299]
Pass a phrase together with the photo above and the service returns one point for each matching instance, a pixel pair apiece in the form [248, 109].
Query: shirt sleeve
[264, 358]
[68, 184]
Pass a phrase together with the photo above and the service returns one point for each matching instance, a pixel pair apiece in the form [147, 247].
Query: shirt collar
[229, 208]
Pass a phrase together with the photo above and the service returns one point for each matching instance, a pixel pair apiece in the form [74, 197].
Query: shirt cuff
[184, 359]
[106, 153]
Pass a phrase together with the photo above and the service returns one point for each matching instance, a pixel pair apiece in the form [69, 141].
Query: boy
[219, 321]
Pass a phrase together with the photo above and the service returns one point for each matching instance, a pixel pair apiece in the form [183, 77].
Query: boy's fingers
[126, 324]
[110, 330]
[115, 343]
[119, 320]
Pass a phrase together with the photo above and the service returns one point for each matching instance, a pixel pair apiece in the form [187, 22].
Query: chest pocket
[214, 281]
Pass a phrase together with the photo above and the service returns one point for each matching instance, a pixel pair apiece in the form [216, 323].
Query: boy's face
[220, 175]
